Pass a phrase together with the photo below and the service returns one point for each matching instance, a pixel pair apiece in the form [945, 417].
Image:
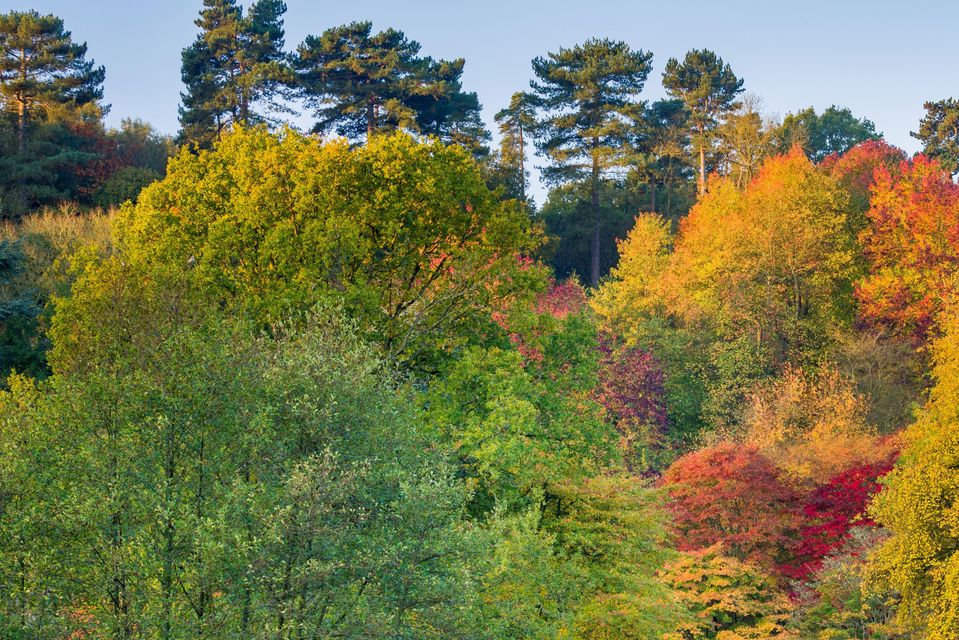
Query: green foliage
[360, 84]
[918, 506]
[235, 69]
[405, 235]
[939, 133]
[221, 485]
[835, 131]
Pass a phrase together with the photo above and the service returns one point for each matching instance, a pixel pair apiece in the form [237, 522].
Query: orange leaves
[912, 244]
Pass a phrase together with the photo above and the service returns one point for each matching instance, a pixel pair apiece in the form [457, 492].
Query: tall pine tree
[360, 83]
[236, 71]
[516, 123]
[939, 133]
[49, 93]
[708, 87]
[587, 96]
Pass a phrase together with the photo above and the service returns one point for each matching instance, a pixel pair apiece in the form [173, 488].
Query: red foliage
[856, 168]
[833, 510]
[912, 244]
[731, 494]
[562, 299]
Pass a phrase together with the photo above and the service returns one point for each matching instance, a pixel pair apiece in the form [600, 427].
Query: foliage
[731, 494]
[631, 389]
[726, 598]
[833, 605]
[911, 244]
[834, 509]
[812, 426]
[835, 131]
[219, 484]
[405, 235]
[939, 133]
[917, 506]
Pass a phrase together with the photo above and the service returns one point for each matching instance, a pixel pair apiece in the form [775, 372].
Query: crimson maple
[731, 494]
[833, 509]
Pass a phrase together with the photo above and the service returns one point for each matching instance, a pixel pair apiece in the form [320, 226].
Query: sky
[880, 58]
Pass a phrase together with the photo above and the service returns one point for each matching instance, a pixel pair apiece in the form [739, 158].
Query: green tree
[360, 83]
[939, 133]
[235, 71]
[516, 123]
[708, 87]
[917, 505]
[835, 131]
[587, 96]
[50, 94]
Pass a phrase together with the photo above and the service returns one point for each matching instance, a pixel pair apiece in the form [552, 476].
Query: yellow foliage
[813, 426]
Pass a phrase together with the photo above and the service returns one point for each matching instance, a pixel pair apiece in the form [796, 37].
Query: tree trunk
[702, 163]
[652, 195]
[370, 119]
[594, 193]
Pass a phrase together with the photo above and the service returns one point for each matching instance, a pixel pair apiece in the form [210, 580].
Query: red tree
[833, 510]
[912, 244]
[731, 494]
[856, 168]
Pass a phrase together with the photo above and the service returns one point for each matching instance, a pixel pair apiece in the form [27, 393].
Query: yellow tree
[919, 507]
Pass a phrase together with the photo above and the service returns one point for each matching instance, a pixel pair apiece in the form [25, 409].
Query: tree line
[347, 383]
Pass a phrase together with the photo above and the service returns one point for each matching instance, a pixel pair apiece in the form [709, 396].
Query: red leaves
[833, 510]
[733, 495]
[912, 244]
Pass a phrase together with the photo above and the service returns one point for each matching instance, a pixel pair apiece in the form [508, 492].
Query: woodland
[352, 381]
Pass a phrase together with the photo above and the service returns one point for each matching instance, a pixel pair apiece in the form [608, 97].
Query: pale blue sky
[880, 58]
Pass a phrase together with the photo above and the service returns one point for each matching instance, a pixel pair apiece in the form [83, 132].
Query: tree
[835, 131]
[665, 133]
[708, 87]
[360, 83]
[586, 93]
[917, 501]
[725, 598]
[745, 141]
[731, 494]
[42, 68]
[405, 235]
[911, 245]
[516, 123]
[631, 389]
[50, 93]
[235, 70]
[813, 426]
[939, 133]
[834, 509]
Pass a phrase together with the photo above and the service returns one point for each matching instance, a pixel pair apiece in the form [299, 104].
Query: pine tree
[939, 133]
[236, 71]
[360, 83]
[708, 87]
[586, 94]
[516, 123]
[50, 95]
[42, 68]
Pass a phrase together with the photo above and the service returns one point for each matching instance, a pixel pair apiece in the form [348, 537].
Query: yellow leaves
[812, 426]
